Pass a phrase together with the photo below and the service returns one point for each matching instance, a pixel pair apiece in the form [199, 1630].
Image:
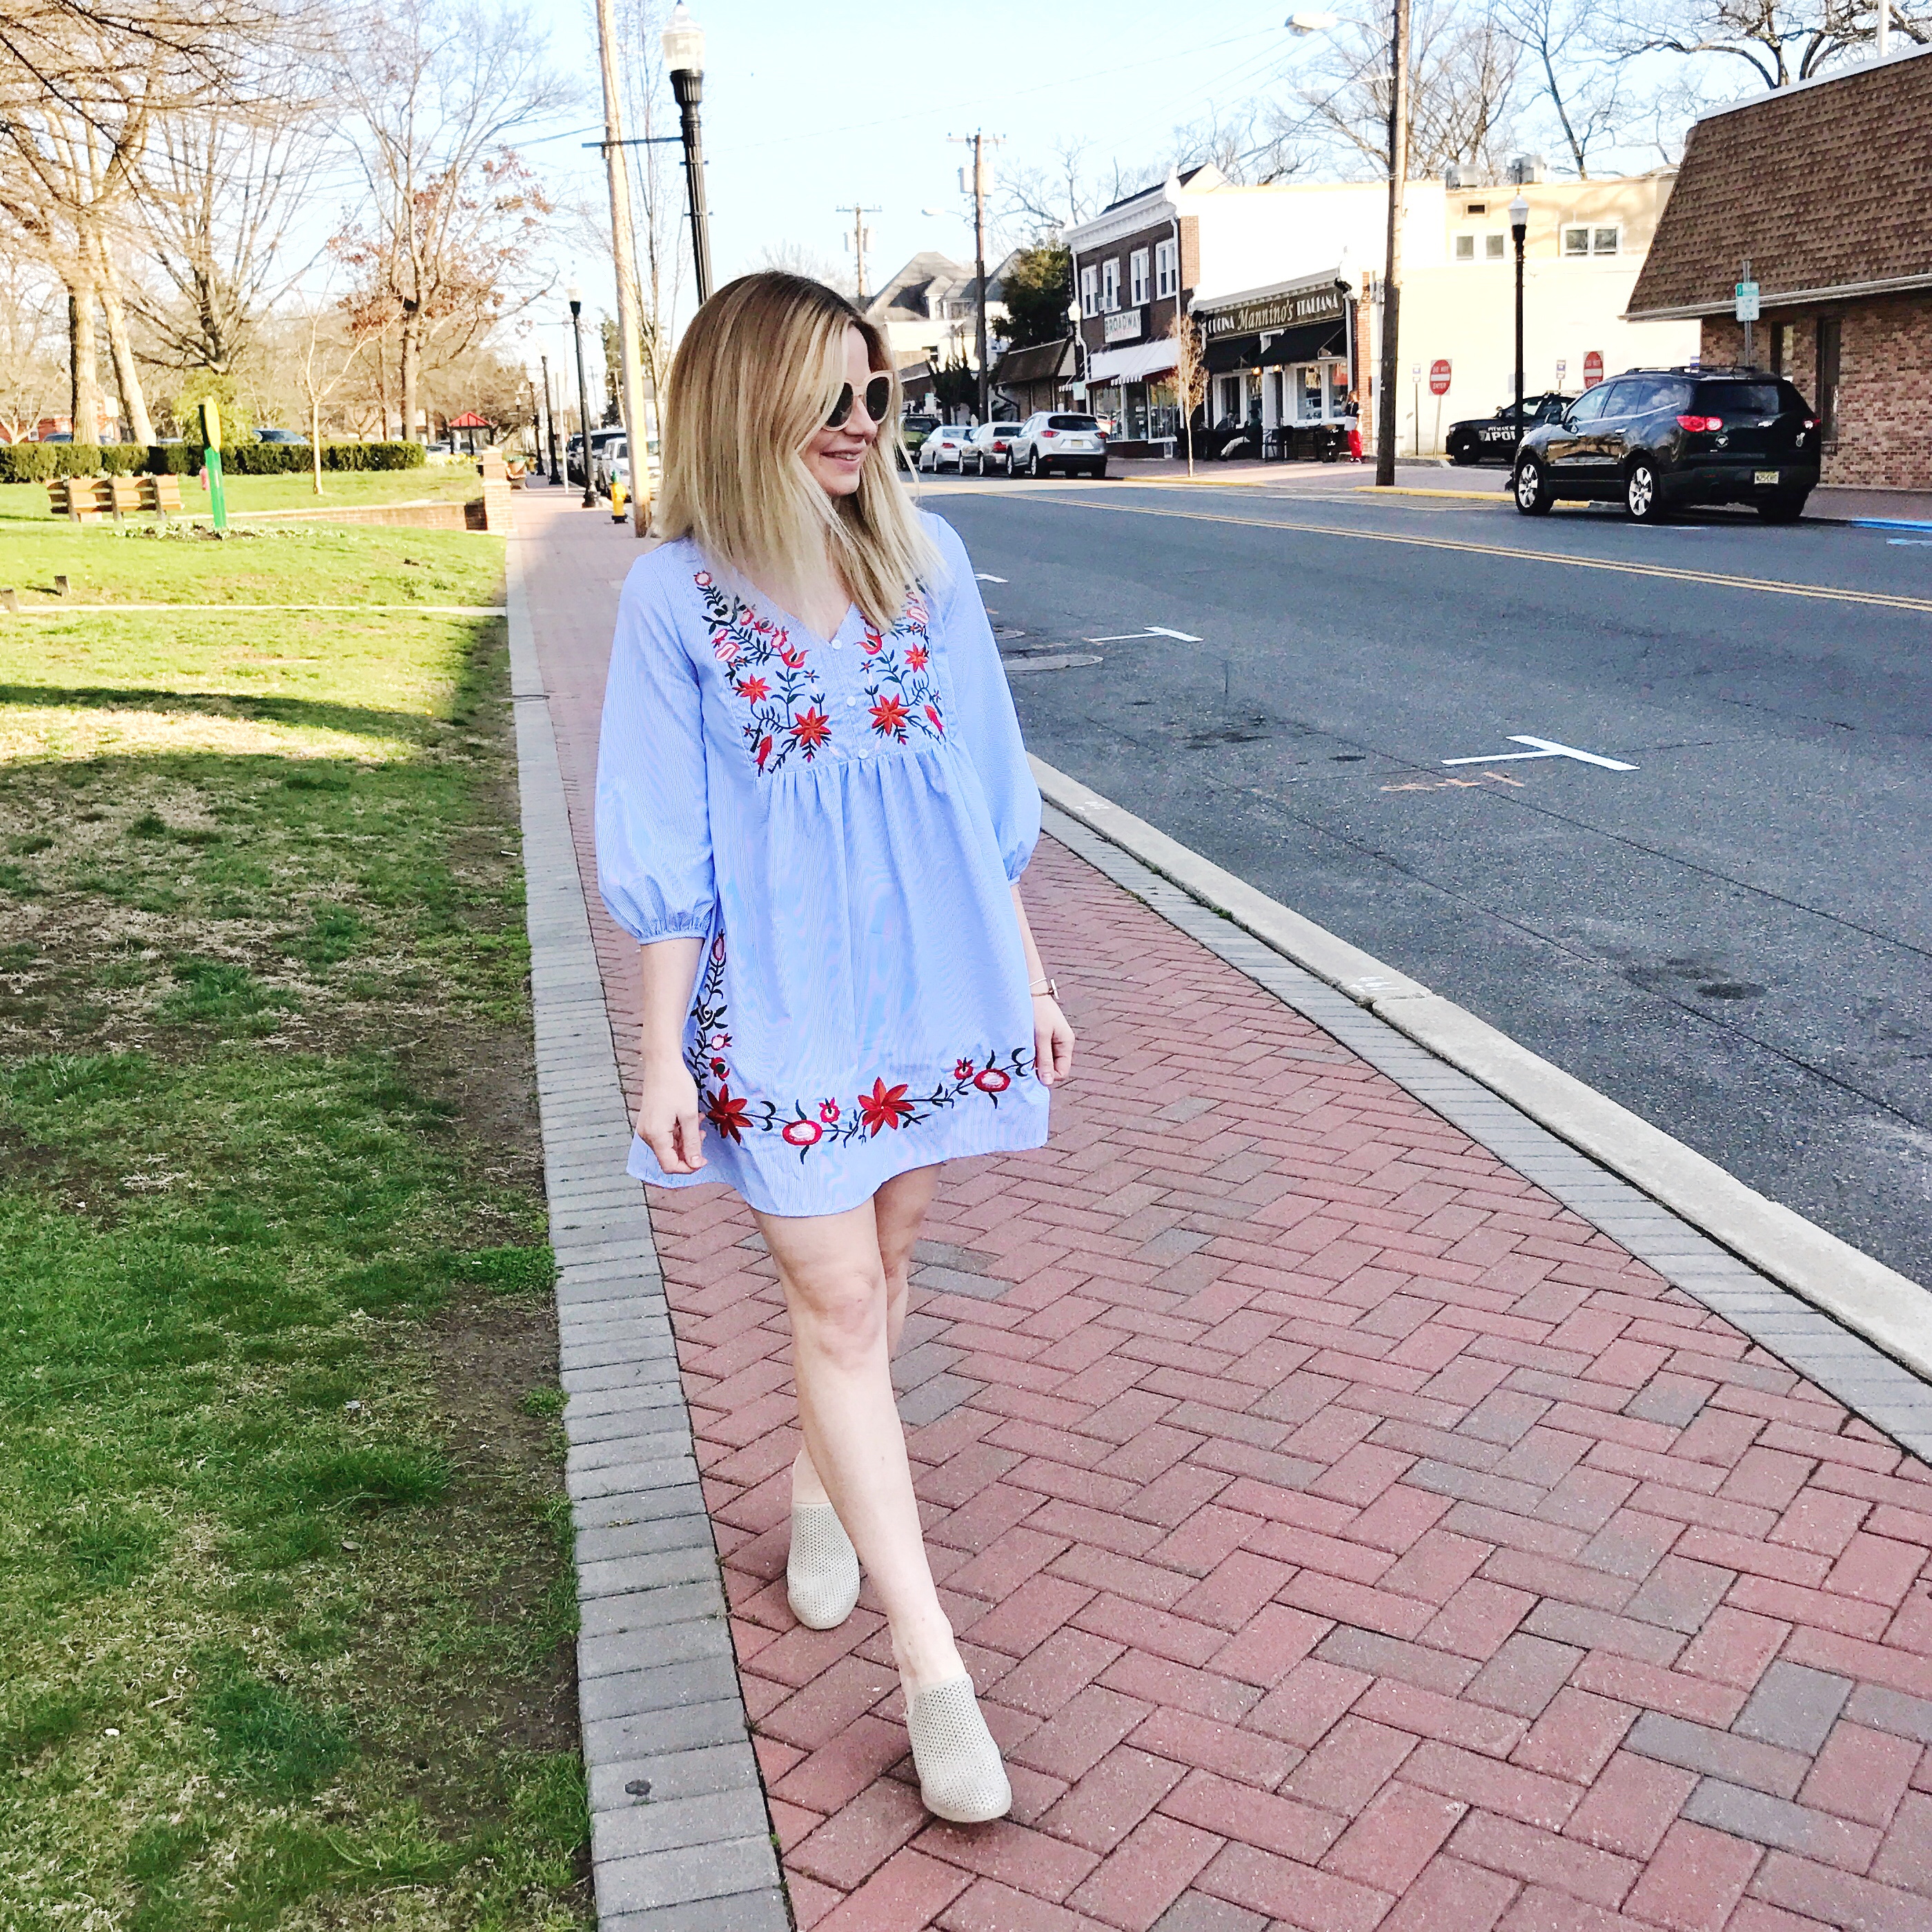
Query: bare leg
[834, 1277]
[898, 1209]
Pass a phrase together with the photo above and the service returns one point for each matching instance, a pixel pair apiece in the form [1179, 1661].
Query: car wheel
[1534, 496]
[1100, 472]
[1643, 494]
[1035, 468]
[1782, 509]
[1464, 457]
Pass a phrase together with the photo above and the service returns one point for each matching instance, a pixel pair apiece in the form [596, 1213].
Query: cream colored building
[1585, 242]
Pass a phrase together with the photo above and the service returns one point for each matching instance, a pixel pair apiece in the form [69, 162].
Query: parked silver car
[1052, 439]
[990, 448]
[945, 448]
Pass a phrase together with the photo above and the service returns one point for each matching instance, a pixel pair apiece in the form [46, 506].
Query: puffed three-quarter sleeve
[653, 824]
[983, 723]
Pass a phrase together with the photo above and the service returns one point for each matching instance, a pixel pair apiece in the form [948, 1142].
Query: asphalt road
[1734, 940]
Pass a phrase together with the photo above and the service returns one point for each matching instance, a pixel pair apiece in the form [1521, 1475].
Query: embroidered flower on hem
[991, 1080]
[884, 1106]
[729, 1114]
[962, 1069]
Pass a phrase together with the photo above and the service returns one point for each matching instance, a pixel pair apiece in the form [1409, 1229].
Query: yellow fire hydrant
[620, 497]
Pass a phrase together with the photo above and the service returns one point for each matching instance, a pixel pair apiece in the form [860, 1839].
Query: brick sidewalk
[1341, 1533]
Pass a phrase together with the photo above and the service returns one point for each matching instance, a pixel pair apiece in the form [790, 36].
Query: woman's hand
[1052, 1041]
[668, 1117]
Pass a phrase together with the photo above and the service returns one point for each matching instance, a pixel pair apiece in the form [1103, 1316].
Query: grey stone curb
[1335, 995]
[681, 1836]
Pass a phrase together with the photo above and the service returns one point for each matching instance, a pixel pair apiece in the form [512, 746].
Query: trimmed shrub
[38, 462]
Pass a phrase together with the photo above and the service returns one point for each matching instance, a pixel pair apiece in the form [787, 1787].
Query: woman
[812, 803]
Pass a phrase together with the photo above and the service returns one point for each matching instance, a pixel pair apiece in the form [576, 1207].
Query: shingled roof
[1827, 188]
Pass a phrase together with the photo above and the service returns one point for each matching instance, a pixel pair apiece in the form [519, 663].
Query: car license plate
[1764, 476]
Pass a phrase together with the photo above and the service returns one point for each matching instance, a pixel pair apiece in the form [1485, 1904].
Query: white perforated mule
[961, 1778]
[822, 1572]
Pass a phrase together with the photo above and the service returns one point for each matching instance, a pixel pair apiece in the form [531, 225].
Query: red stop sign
[1593, 369]
[1438, 376]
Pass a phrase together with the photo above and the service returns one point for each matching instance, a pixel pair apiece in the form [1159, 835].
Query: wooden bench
[85, 500]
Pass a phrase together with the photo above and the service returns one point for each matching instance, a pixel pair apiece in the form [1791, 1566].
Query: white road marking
[1162, 630]
[1546, 748]
[987, 576]
[1910, 543]
[1152, 630]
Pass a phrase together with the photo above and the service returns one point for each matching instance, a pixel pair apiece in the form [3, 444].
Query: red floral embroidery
[901, 665]
[728, 1114]
[870, 1113]
[884, 1107]
[788, 704]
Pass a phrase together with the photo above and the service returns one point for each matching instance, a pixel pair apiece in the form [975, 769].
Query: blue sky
[808, 105]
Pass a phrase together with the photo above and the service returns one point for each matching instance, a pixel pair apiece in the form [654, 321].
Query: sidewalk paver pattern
[1342, 1534]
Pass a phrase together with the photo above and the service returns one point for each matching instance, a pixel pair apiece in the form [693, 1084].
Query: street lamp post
[575, 295]
[1080, 352]
[549, 417]
[1519, 215]
[684, 57]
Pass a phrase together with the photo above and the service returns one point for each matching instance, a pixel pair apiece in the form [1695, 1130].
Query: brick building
[1825, 188]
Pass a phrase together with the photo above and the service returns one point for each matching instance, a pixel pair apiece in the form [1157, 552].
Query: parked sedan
[1655, 438]
[1493, 439]
[945, 448]
[990, 447]
[1050, 441]
[914, 428]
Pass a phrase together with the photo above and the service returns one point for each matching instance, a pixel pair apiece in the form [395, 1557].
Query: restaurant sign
[1124, 325]
[1321, 303]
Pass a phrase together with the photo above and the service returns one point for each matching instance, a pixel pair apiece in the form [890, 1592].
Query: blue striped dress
[837, 820]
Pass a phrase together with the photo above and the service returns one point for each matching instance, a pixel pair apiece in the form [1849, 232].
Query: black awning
[1308, 342]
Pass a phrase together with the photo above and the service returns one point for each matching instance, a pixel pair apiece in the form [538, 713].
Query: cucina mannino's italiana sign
[1321, 303]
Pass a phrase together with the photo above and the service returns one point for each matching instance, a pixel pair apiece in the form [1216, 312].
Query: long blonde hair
[757, 373]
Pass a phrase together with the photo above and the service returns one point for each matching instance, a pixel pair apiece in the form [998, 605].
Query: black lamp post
[576, 296]
[684, 57]
[1519, 215]
[550, 418]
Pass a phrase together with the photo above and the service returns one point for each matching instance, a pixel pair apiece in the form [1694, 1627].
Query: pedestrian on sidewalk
[812, 807]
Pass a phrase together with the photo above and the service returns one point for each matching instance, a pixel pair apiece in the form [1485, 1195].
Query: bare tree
[1781, 41]
[1463, 88]
[659, 196]
[336, 342]
[794, 258]
[218, 192]
[438, 86]
[1190, 374]
[1580, 79]
[33, 317]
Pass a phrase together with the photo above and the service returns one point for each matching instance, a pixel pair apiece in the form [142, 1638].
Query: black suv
[1493, 438]
[1657, 439]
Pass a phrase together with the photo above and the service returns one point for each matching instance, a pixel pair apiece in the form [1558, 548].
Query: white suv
[1051, 441]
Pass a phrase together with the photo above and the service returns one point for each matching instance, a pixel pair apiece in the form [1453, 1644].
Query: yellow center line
[1879, 599]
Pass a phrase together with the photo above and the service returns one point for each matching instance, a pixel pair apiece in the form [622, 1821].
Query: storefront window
[1163, 410]
[1308, 394]
[1338, 387]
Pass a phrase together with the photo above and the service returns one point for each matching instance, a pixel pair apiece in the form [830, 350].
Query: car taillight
[1695, 424]
[1045, 433]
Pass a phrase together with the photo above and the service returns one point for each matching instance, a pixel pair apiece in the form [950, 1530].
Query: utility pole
[861, 236]
[549, 418]
[1385, 383]
[979, 143]
[623, 254]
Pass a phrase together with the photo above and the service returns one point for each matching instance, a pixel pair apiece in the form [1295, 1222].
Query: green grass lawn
[454, 482]
[313, 563]
[285, 1607]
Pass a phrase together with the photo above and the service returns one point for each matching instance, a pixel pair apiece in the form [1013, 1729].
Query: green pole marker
[211, 437]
